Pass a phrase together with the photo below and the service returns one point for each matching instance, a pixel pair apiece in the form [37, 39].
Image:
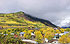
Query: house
[56, 35]
[12, 33]
[46, 40]
[29, 41]
[15, 35]
[32, 35]
[5, 34]
[22, 33]
[55, 28]
[55, 42]
[1, 33]
[52, 41]
[36, 28]
[1, 27]
[65, 32]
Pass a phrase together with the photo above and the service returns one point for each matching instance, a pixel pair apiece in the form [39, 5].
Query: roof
[52, 40]
[22, 32]
[32, 33]
[31, 41]
[46, 39]
[65, 32]
[61, 34]
[56, 34]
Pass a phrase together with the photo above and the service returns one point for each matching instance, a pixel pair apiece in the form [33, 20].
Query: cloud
[55, 11]
[65, 22]
[7, 6]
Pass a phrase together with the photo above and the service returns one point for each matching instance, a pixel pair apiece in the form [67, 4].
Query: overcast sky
[56, 11]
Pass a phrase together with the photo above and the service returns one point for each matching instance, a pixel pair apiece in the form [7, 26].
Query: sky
[56, 11]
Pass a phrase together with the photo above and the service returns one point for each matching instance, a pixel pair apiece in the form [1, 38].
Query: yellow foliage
[11, 22]
[27, 35]
[38, 35]
[57, 31]
[25, 31]
[62, 30]
[31, 30]
[50, 29]
[64, 39]
[49, 35]
[44, 31]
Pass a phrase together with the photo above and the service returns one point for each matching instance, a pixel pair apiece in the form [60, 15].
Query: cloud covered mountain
[55, 11]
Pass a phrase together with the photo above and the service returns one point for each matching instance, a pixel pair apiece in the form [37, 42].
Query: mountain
[46, 22]
[66, 27]
[21, 19]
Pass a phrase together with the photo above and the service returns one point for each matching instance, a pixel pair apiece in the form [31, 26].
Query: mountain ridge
[46, 22]
[23, 19]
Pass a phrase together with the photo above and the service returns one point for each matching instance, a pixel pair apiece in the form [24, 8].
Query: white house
[32, 34]
[22, 33]
[61, 34]
[55, 42]
[30, 41]
[46, 40]
[12, 33]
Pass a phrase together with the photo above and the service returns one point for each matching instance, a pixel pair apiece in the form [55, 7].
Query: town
[45, 35]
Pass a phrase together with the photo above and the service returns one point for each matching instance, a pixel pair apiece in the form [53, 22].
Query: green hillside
[17, 20]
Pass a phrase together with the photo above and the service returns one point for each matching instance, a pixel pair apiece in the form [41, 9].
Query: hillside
[21, 19]
[20, 26]
[46, 22]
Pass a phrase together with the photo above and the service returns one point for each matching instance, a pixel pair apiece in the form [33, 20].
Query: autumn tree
[50, 29]
[27, 35]
[67, 29]
[57, 31]
[49, 35]
[62, 30]
[38, 37]
[64, 39]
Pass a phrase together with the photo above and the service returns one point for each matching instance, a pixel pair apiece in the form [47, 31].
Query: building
[29, 41]
[46, 40]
